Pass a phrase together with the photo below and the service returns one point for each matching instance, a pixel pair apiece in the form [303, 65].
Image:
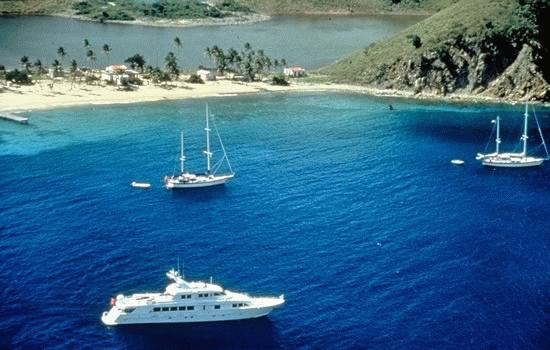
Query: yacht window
[240, 305]
[189, 296]
[156, 309]
[174, 308]
[165, 309]
[204, 307]
[129, 310]
[216, 306]
[182, 308]
[216, 294]
[190, 308]
[234, 305]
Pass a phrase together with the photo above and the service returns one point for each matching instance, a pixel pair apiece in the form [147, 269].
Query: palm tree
[61, 53]
[106, 50]
[74, 68]
[90, 55]
[208, 53]
[25, 63]
[178, 44]
[39, 68]
[171, 64]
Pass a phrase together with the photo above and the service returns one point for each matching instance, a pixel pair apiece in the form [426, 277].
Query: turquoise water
[350, 210]
[307, 41]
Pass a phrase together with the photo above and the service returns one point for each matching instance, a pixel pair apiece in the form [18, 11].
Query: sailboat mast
[207, 153]
[182, 157]
[497, 141]
[524, 137]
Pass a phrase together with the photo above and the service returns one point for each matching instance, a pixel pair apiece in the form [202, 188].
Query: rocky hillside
[490, 48]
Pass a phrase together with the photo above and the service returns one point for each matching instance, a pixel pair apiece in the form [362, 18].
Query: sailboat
[186, 179]
[509, 159]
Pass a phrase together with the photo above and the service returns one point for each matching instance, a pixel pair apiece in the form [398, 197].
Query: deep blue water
[350, 210]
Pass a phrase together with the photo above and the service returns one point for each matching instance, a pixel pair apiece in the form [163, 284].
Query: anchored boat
[510, 159]
[210, 177]
[186, 302]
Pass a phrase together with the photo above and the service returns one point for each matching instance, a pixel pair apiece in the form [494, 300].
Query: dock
[14, 118]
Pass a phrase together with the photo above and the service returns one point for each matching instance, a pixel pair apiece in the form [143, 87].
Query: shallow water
[308, 41]
[350, 210]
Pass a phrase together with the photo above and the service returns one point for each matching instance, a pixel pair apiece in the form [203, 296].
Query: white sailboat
[511, 159]
[186, 179]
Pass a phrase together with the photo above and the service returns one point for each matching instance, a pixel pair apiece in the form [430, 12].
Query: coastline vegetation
[246, 65]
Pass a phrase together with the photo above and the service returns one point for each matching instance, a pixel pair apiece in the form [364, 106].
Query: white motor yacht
[186, 302]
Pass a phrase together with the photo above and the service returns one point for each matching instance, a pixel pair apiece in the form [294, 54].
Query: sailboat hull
[511, 161]
[176, 182]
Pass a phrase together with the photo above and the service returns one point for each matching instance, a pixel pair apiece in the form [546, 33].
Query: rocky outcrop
[466, 68]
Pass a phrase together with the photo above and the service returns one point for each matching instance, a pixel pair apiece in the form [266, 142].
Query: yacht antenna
[178, 264]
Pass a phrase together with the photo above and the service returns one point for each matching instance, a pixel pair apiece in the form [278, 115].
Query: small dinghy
[140, 184]
[457, 161]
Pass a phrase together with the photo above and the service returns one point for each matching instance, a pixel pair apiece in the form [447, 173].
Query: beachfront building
[116, 73]
[206, 75]
[294, 71]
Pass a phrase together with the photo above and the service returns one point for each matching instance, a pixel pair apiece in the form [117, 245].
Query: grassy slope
[346, 6]
[268, 6]
[33, 7]
[466, 18]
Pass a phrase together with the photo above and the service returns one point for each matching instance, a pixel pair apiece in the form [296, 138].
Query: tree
[106, 50]
[90, 56]
[25, 63]
[39, 68]
[171, 64]
[415, 40]
[178, 44]
[61, 53]
[136, 61]
[74, 68]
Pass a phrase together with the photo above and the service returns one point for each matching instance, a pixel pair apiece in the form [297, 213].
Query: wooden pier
[14, 118]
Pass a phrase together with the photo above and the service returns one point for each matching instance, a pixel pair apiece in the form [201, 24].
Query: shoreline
[241, 19]
[41, 97]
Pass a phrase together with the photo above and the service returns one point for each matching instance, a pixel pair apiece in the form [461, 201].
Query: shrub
[415, 40]
[279, 80]
[19, 77]
[91, 79]
[195, 79]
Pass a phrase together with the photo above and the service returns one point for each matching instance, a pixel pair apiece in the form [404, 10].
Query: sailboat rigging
[187, 179]
[510, 159]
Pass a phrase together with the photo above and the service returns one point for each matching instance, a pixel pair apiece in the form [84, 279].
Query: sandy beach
[64, 94]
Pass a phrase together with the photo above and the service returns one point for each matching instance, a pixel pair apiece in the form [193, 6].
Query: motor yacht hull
[147, 316]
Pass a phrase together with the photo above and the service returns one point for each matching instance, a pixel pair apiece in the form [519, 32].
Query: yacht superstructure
[185, 301]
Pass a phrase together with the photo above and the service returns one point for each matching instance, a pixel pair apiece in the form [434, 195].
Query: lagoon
[308, 41]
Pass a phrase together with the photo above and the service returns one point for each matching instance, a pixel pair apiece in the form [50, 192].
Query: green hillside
[346, 6]
[189, 8]
[495, 47]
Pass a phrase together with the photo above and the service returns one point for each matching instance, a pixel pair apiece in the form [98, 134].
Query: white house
[294, 71]
[206, 75]
[115, 73]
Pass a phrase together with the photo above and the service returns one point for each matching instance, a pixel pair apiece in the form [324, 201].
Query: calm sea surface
[307, 41]
[350, 210]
